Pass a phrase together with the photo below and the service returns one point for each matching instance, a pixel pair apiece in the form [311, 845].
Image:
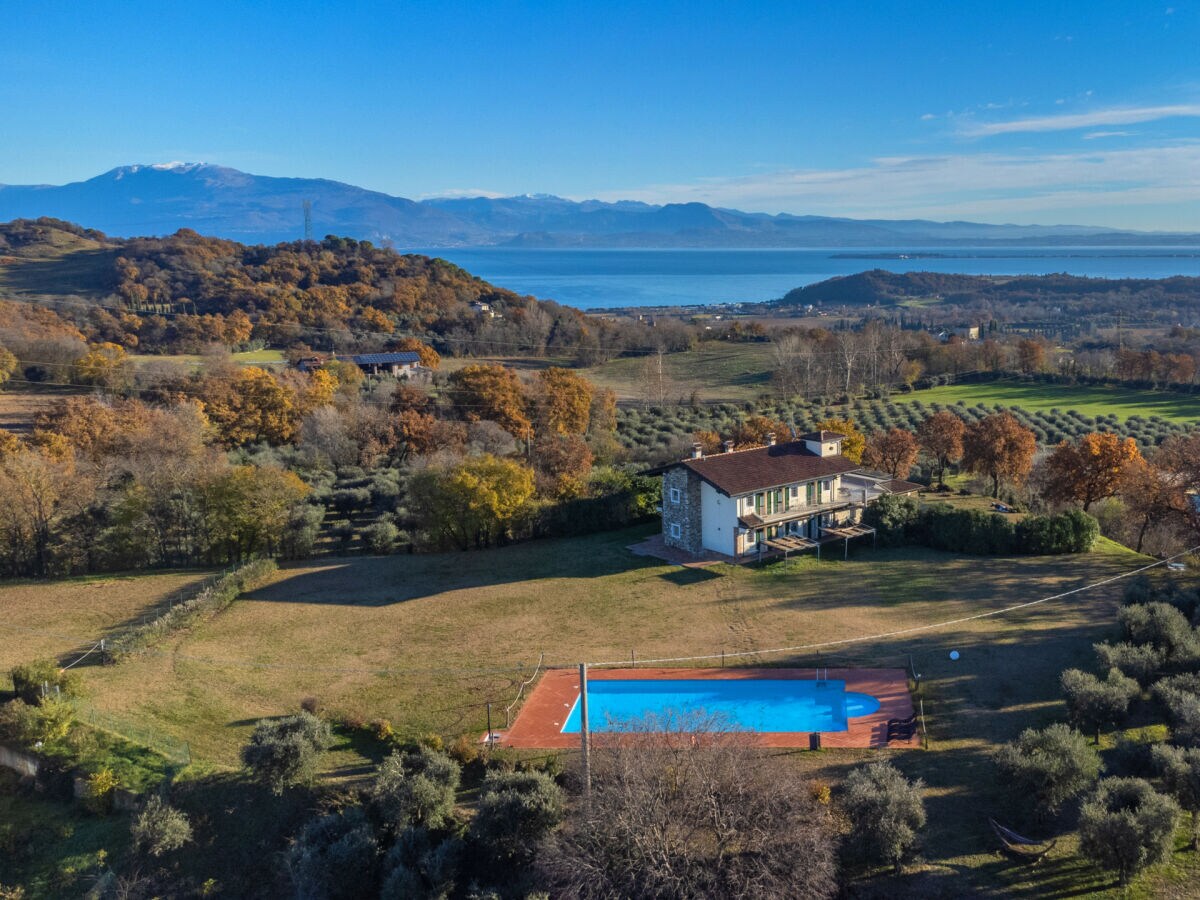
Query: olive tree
[886, 810]
[335, 856]
[1180, 770]
[517, 810]
[285, 751]
[1093, 703]
[416, 788]
[159, 828]
[680, 808]
[1049, 766]
[1126, 825]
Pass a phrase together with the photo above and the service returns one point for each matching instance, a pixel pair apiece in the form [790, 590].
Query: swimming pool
[747, 704]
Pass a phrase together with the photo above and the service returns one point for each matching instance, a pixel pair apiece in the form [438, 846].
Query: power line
[903, 631]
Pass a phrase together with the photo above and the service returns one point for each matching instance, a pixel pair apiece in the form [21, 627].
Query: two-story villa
[733, 502]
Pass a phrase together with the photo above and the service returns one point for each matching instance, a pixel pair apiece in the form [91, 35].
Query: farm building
[400, 364]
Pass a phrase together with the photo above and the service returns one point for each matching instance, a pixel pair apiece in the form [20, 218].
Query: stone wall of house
[686, 513]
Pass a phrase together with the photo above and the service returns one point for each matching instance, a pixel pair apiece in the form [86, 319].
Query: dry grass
[46, 619]
[20, 404]
[327, 630]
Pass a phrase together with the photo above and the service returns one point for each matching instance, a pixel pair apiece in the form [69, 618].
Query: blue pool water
[746, 704]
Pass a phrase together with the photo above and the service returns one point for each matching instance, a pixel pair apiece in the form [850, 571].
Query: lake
[592, 279]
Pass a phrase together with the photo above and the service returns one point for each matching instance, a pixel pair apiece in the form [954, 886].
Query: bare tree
[681, 808]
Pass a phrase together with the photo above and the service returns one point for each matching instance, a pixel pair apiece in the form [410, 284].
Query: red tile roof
[899, 486]
[744, 471]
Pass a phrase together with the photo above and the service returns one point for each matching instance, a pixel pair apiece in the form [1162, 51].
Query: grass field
[82, 270]
[714, 371]
[1084, 399]
[193, 360]
[40, 619]
[412, 639]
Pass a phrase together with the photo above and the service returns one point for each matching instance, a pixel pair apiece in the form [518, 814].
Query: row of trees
[1125, 824]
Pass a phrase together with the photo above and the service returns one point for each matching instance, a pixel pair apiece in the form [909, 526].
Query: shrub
[286, 751]
[98, 796]
[893, 518]
[516, 812]
[416, 788]
[335, 856]
[1049, 766]
[381, 537]
[886, 811]
[159, 828]
[44, 722]
[29, 679]
[1073, 531]
[1126, 825]
[1092, 703]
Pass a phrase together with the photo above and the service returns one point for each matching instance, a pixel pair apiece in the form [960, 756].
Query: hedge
[901, 520]
[213, 596]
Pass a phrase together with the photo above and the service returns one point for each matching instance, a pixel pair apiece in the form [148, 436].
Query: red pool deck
[539, 722]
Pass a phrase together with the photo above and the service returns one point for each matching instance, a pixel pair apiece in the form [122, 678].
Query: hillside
[161, 199]
[881, 288]
[182, 292]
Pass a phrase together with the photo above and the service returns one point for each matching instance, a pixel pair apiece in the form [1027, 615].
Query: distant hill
[183, 292]
[878, 287]
[215, 200]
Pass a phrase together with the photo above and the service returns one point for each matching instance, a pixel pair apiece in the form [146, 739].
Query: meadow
[427, 641]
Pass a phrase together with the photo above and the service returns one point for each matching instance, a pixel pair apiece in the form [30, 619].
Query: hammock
[1022, 847]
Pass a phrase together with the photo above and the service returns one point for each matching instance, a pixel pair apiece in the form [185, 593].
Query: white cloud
[1096, 187]
[927, 117]
[1092, 135]
[1117, 116]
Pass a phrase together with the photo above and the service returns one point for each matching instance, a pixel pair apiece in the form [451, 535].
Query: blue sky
[1046, 112]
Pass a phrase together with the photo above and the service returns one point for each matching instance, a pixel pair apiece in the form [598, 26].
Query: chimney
[727, 446]
[697, 451]
[770, 439]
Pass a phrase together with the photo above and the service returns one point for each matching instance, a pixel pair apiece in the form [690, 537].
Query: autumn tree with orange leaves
[1089, 469]
[999, 447]
[940, 437]
[561, 401]
[753, 430]
[893, 451]
[491, 392]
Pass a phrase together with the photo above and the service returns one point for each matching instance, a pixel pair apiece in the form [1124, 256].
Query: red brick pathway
[539, 723]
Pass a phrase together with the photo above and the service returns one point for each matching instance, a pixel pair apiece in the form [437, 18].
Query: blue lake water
[591, 279]
[745, 704]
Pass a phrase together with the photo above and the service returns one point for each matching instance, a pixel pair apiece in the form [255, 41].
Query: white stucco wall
[719, 521]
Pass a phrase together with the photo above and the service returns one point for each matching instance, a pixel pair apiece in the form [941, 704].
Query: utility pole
[307, 220]
[585, 743]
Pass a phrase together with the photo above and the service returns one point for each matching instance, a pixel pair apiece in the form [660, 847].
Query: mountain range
[215, 200]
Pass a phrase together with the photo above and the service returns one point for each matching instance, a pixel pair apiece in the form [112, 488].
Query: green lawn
[713, 371]
[1086, 400]
[193, 360]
